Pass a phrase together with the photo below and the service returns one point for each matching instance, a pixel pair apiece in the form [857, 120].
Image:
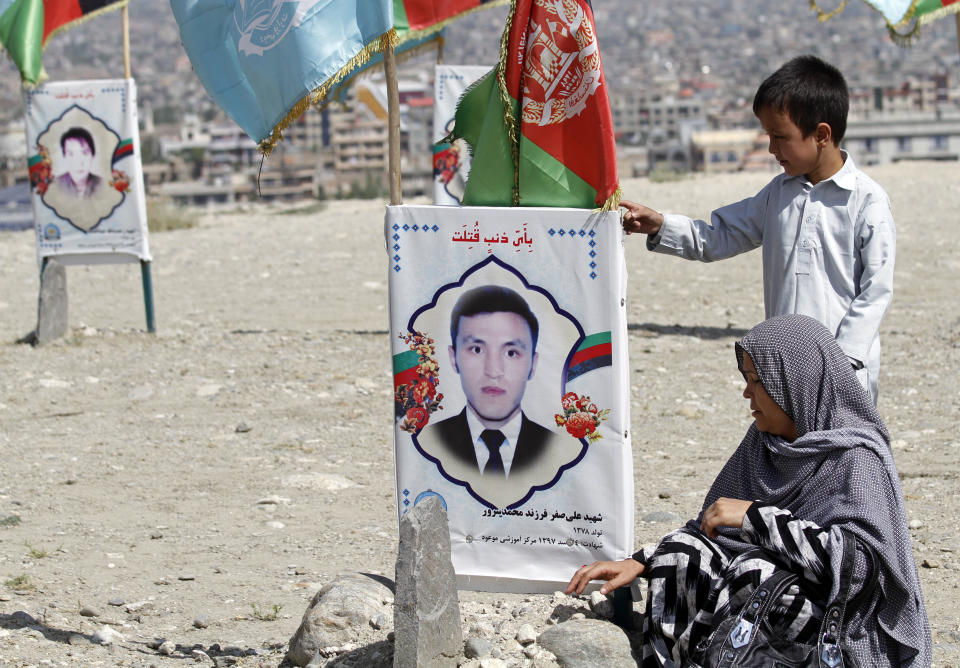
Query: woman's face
[770, 418]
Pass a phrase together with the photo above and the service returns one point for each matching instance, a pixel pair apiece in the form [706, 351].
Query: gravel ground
[199, 485]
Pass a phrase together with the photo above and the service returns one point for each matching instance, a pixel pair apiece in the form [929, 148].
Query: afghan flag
[418, 16]
[539, 124]
[419, 25]
[27, 25]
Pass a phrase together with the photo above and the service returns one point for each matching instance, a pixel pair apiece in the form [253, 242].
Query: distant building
[885, 138]
[722, 150]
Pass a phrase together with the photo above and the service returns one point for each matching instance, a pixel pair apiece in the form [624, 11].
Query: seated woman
[813, 479]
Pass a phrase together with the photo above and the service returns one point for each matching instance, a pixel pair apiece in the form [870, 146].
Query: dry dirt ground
[200, 484]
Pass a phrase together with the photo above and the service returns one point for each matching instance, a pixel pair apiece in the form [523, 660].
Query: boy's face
[795, 153]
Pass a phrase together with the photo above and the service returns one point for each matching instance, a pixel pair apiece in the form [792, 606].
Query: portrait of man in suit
[492, 444]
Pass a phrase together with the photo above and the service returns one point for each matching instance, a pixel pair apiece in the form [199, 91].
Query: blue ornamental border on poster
[580, 338]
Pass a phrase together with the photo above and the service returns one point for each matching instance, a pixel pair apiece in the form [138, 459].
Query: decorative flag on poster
[264, 62]
[509, 335]
[27, 25]
[540, 123]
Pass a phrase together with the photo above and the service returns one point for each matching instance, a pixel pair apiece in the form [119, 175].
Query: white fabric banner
[451, 162]
[508, 325]
[83, 151]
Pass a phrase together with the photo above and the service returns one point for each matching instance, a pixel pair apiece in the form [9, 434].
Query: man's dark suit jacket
[454, 434]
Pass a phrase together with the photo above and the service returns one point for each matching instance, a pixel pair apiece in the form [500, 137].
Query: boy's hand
[617, 574]
[639, 218]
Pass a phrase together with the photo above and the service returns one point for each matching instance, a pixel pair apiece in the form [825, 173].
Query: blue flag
[265, 61]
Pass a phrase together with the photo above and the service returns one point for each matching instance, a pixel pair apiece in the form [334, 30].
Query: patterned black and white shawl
[839, 472]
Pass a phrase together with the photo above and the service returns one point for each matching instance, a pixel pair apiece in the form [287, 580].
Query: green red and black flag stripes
[26, 25]
[539, 124]
[417, 15]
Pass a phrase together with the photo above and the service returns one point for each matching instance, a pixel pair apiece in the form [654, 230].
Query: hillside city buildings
[680, 79]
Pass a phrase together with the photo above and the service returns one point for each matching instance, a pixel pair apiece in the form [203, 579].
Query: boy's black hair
[492, 299]
[810, 91]
[77, 133]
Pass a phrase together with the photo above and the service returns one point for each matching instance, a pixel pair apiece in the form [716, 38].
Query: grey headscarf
[839, 472]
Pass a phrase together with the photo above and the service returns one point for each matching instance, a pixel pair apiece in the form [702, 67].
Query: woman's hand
[724, 512]
[616, 573]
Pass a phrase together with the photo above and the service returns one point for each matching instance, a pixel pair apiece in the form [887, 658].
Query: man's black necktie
[493, 439]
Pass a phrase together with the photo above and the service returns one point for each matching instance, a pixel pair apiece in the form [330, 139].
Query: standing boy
[825, 227]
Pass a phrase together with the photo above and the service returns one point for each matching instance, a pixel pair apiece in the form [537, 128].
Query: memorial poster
[508, 334]
[86, 181]
[451, 161]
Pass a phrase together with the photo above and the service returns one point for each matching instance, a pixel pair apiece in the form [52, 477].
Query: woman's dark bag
[746, 640]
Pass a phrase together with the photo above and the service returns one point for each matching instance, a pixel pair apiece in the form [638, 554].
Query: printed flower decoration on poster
[581, 417]
[120, 181]
[418, 398]
[41, 172]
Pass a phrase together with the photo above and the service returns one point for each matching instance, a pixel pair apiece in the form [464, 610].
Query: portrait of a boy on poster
[507, 325]
[85, 171]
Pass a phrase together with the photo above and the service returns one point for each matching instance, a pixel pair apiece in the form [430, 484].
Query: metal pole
[125, 18]
[440, 42]
[148, 296]
[393, 124]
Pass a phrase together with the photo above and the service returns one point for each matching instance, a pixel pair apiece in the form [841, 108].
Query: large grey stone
[52, 310]
[336, 614]
[426, 613]
[587, 643]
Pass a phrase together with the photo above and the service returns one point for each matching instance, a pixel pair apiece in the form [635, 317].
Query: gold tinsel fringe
[824, 15]
[613, 202]
[402, 57]
[320, 93]
[509, 120]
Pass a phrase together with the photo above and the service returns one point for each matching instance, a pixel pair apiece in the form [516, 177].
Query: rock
[477, 648]
[166, 648]
[107, 636]
[87, 611]
[116, 602]
[587, 643]
[491, 662]
[202, 621]
[601, 605]
[931, 563]
[23, 618]
[76, 639]
[526, 635]
[484, 629]
[426, 614]
[336, 612]
[661, 516]
[915, 524]
[199, 655]
[53, 304]
[243, 428]
[380, 621]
